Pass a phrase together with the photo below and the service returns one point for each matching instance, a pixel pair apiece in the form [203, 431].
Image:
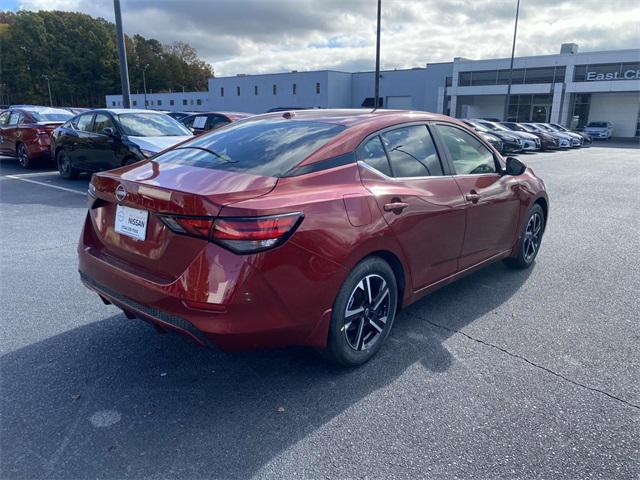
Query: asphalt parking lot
[504, 374]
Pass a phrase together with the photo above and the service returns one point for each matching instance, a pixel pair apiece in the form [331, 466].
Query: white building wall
[174, 101]
[621, 109]
[339, 90]
[481, 106]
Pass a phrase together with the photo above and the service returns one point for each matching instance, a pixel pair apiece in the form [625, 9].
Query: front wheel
[530, 240]
[363, 313]
[65, 167]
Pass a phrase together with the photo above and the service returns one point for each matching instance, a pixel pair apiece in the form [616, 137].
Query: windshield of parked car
[263, 147]
[494, 126]
[516, 127]
[50, 115]
[559, 128]
[597, 124]
[151, 125]
[532, 128]
[544, 127]
[477, 126]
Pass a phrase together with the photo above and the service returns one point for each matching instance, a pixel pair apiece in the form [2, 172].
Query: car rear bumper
[221, 298]
[39, 151]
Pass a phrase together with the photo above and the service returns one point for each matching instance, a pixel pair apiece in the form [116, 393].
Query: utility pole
[46, 77]
[376, 94]
[144, 83]
[124, 70]
[507, 100]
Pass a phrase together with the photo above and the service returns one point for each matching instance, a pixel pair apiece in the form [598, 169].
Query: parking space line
[33, 174]
[65, 189]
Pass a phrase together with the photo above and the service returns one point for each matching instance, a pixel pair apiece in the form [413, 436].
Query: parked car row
[514, 137]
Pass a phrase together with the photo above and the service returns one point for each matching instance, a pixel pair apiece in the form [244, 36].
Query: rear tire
[65, 167]
[363, 313]
[530, 239]
[23, 156]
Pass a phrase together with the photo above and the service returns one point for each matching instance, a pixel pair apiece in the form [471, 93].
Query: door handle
[395, 207]
[472, 196]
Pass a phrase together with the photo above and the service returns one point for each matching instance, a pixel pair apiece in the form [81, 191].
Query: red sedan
[306, 228]
[25, 132]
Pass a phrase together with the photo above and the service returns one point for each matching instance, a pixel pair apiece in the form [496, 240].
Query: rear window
[262, 147]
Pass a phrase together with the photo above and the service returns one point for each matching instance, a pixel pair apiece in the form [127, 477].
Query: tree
[79, 55]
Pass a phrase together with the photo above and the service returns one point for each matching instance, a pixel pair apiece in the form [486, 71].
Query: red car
[25, 132]
[306, 228]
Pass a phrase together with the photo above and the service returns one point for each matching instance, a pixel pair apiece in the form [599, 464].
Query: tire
[23, 156]
[65, 167]
[354, 340]
[530, 239]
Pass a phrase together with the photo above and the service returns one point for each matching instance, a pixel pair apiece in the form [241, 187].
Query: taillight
[238, 234]
[43, 137]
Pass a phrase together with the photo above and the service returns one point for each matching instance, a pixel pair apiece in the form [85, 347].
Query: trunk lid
[167, 189]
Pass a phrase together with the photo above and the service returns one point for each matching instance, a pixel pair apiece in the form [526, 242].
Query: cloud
[259, 36]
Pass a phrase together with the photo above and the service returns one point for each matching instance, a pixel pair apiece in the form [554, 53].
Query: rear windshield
[51, 116]
[151, 125]
[262, 147]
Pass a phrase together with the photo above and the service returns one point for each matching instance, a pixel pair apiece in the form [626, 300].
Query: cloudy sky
[257, 36]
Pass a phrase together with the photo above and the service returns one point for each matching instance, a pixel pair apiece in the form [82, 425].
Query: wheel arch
[398, 270]
[544, 204]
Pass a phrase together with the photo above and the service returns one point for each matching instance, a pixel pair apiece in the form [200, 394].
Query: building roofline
[548, 55]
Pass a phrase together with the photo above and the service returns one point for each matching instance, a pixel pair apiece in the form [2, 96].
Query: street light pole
[513, 50]
[376, 95]
[46, 77]
[124, 70]
[144, 83]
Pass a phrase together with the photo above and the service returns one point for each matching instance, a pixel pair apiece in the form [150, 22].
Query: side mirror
[108, 131]
[514, 167]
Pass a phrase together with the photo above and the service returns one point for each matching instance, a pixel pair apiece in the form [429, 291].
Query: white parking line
[71, 190]
[33, 174]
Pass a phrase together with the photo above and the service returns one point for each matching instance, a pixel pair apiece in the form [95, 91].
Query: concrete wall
[248, 101]
[484, 106]
[195, 101]
[339, 90]
[621, 109]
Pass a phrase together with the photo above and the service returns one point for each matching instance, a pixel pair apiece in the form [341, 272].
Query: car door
[102, 146]
[11, 132]
[78, 146]
[4, 121]
[418, 198]
[492, 199]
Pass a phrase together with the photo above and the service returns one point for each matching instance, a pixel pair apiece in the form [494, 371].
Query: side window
[469, 156]
[4, 119]
[84, 122]
[215, 121]
[13, 118]
[101, 122]
[372, 153]
[412, 152]
[188, 121]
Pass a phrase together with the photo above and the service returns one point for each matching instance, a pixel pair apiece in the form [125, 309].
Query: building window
[199, 101]
[275, 89]
[293, 89]
[580, 110]
[448, 81]
[238, 91]
[184, 101]
[159, 102]
[135, 103]
[146, 103]
[222, 91]
[255, 90]
[172, 102]
[318, 87]
[113, 104]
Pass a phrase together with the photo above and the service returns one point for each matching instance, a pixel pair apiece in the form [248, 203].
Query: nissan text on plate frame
[306, 228]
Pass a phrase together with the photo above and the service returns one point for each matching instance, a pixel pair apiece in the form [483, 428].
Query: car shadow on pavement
[112, 399]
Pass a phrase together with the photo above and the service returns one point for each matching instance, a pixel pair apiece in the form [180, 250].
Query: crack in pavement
[526, 360]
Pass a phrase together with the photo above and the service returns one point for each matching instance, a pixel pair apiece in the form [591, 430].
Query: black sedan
[510, 143]
[547, 141]
[203, 122]
[110, 138]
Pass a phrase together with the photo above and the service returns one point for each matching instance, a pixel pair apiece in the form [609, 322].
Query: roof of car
[118, 111]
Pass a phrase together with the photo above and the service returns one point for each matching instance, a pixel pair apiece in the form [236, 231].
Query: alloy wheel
[532, 237]
[64, 164]
[23, 158]
[367, 312]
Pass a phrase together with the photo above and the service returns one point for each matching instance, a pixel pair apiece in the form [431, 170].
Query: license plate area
[131, 222]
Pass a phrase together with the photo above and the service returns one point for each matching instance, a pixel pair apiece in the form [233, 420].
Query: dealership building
[571, 88]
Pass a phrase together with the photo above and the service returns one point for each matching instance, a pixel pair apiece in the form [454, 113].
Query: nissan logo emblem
[121, 193]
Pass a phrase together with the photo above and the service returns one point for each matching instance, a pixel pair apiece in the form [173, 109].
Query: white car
[599, 129]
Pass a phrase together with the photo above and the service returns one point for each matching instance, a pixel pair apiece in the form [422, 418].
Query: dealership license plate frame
[131, 222]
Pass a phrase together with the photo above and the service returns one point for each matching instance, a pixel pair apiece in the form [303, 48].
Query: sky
[264, 36]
